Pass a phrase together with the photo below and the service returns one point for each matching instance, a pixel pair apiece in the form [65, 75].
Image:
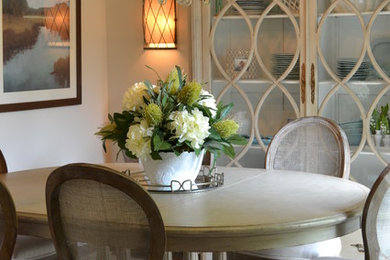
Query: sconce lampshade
[160, 24]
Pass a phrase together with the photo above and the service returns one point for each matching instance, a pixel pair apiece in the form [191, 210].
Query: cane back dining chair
[375, 221]
[96, 212]
[309, 144]
[29, 247]
[8, 223]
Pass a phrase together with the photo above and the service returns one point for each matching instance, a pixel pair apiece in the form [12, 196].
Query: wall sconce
[159, 24]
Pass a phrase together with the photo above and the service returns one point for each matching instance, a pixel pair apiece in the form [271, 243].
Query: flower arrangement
[172, 116]
[380, 120]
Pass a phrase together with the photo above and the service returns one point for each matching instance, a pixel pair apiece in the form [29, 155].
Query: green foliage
[223, 111]
[384, 120]
[380, 120]
[159, 105]
[15, 7]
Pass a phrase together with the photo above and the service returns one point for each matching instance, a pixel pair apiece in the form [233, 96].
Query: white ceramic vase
[184, 167]
[378, 138]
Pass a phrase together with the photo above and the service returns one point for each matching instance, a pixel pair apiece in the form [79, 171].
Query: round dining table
[253, 209]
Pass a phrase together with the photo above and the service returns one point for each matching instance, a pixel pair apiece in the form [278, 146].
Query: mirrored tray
[207, 179]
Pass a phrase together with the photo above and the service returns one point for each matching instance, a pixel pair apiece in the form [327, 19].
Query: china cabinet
[278, 60]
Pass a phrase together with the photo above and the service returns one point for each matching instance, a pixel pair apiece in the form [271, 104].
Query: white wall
[126, 56]
[56, 136]
[112, 59]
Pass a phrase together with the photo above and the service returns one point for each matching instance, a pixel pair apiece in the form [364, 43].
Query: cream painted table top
[254, 209]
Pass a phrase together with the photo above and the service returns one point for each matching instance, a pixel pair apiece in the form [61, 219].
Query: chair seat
[31, 248]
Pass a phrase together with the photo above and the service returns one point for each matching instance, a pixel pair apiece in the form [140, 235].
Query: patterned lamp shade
[160, 24]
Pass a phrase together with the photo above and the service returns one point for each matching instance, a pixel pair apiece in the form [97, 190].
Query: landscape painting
[41, 54]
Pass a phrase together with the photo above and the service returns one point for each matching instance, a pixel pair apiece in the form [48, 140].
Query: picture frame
[239, 63]
[236, 60]
[41, 54]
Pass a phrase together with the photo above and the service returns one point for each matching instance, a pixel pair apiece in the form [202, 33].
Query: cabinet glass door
[351, 43]
[255, 55]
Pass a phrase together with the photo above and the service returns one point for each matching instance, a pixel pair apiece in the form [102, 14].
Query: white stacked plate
[254, 7]
[345, 65]
[280, 63]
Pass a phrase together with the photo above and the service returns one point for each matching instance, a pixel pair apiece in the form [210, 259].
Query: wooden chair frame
[10, 221]
[3, 164]
[109, 177]
[337, 131]
[370, 212]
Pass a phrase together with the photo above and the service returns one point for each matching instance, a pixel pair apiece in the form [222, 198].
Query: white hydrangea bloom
[133, 97]
[138, 139]
[209, 102]
[190, 127]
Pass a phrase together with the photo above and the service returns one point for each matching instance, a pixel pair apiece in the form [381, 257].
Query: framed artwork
[41, 54]
[239, 64]
[235, 61]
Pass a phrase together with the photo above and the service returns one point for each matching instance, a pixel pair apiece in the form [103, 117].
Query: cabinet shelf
[294, 82]
[283, 16]
[353, 14]
[358, 82]
[367, 150]
[239, 17]
[255, 81]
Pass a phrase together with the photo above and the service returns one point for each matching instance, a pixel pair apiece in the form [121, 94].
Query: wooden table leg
[219, 256]
[168, 256]
[190, 256]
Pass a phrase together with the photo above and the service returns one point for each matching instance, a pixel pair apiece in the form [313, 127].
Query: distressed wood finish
[80, 174]
[376, 219]
[340, 140]
[300, 158]
[204, 222]
[8, 218]
[307, 43]
[27, 246]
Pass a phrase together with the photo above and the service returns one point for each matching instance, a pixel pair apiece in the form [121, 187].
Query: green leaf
[158, 76]
[149, 86]
[205, 110]
[224, 111]
[104, 146]
[146, 101]
[155, 156]
[198, 151]
[237, 139]
[129, 154]
[229, 151]
[214, 134]
[110, 118]
[168, 88]
[177, 152]
[213, 144]
[159, 144]
[216, 153]
[180, 76]
[164, 101]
